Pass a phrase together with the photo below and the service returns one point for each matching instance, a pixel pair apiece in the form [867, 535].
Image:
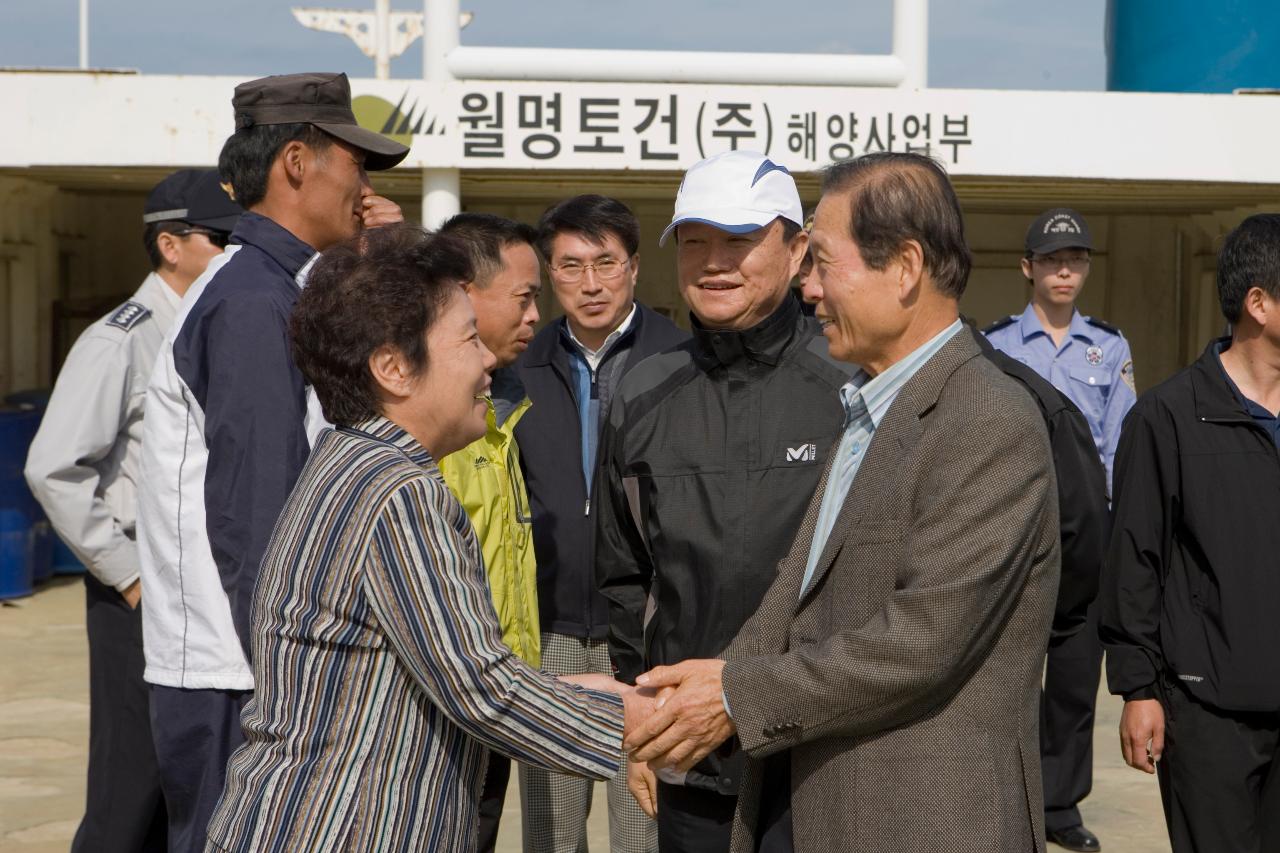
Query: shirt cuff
[1148, 692]
[724, 697]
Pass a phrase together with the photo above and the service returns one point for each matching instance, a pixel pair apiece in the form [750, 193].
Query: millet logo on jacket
[803, 453]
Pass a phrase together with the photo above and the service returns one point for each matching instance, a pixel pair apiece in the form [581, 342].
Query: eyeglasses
[1055, 262]
[605, 270]
[217, 238]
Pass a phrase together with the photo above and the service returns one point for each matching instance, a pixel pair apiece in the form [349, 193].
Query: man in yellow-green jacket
[485, 475]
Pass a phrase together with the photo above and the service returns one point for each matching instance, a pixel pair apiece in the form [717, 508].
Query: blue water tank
[1193, 45]
[26, 544]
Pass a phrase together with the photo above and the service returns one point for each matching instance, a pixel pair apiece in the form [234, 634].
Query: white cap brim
[735, 221]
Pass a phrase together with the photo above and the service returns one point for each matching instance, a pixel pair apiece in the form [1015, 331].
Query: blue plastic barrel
[1192, 45]
[25, 546]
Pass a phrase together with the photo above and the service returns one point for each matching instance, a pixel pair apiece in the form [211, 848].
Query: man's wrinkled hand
[690, 722]
[1142, 734]
[643, 785]
[379, 210]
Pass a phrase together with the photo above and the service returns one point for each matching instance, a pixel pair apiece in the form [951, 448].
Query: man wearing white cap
[710, 455]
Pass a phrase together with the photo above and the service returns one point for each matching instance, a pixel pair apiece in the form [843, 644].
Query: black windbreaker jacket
[550, 440]
[1083, 514]
[709, 458]
[1191, 585]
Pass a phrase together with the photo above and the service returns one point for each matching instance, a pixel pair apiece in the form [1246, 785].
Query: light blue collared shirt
[1093, 367]
[866, 400]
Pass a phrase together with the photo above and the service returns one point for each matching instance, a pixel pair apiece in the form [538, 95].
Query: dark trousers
[691, 820]
[773, 827]
[1067, 705]
[1218, 775]
[124, 808]
[195, 732]
[492, 799]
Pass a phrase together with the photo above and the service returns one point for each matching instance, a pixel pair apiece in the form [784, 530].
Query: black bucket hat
[322, 100]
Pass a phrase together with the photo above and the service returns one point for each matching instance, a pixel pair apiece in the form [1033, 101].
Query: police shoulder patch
[129, 315]
[1126, 373]
[1104, 326]
[1000, 324]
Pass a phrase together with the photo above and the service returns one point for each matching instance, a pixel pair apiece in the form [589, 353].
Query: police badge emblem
[1093, 355]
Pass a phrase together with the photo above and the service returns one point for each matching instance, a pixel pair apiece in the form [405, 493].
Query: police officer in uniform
[83, 468]
[1089, 362]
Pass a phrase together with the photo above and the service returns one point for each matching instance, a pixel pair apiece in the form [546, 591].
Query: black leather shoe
[1075, 838]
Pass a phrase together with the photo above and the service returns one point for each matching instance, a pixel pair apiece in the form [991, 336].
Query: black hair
[1250, 257]
[247, 155]
[386, 286]
[896, 197]
[594, 217]
[485, 236]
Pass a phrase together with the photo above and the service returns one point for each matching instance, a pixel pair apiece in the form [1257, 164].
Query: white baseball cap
[738, 192]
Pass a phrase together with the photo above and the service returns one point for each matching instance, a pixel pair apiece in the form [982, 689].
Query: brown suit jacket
[905, 682]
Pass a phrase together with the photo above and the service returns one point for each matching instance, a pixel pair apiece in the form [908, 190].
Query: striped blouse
[382, 681]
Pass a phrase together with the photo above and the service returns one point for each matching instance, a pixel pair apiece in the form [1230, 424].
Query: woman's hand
[594, 681]
[643, 786]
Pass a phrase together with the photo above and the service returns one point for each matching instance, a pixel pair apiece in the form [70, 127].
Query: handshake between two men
[674, 717]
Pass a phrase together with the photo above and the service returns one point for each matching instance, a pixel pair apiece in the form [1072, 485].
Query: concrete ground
[44, 718]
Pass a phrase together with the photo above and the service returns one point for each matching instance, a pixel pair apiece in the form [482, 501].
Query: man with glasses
[591, 246]
[83, 468]
[1088, 361]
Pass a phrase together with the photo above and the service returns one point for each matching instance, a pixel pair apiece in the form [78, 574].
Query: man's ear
[391, 371]
[910, 268]
[1026, 270]
[1259, 305]
[167, 244]
[294, 160]
[796, 250]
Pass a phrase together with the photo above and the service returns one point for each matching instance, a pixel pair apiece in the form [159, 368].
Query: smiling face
[859, 308]
[446, 402]
[1058, 277]
[735, 281]
[506, 307]
[335, 186]
[594, 305]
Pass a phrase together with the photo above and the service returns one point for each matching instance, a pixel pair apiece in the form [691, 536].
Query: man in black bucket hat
[229, 419]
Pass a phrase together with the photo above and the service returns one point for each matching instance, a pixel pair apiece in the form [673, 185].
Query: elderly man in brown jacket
[887, 689]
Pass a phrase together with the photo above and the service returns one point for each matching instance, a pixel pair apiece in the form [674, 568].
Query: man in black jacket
[1192, 579]
[570, 371]
[711, 454]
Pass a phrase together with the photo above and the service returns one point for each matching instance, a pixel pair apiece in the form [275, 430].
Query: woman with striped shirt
[381, 677]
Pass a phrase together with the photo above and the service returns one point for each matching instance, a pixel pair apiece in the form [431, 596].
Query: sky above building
[1001, 44]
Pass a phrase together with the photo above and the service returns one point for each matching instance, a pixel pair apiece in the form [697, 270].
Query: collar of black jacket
[1214, 398]
[763, 342]
[275, 240]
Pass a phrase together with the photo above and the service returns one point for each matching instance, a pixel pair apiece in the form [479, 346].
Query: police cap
[194, 196]
[1058, 228]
